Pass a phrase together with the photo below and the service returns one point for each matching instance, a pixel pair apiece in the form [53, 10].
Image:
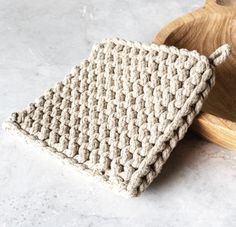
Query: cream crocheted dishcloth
[120, 113]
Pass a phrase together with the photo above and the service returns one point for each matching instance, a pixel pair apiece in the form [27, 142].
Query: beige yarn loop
[220, 54]
[121, 112]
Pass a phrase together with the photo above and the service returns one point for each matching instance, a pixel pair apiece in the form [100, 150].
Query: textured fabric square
[120, 113]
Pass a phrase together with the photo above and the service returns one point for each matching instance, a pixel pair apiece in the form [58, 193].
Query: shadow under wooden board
[205, 30]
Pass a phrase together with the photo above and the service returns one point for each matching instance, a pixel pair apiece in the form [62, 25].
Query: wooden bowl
[205, 30]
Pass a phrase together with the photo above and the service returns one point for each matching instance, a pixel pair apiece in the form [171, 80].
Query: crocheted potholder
[120, 113]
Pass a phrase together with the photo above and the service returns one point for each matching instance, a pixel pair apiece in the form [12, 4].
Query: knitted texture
[120, 113]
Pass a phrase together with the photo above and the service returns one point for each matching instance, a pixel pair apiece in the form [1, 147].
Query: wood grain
[205, 30]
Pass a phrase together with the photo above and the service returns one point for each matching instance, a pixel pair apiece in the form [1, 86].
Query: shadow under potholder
[120, 113]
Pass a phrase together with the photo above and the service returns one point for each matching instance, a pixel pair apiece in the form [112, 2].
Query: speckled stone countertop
[40, 41]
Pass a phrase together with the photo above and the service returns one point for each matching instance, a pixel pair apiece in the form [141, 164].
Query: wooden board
[205, 30]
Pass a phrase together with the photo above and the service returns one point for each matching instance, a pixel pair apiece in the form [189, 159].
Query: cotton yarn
[119, 113]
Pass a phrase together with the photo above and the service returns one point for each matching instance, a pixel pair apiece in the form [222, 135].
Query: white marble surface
[39, 42]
